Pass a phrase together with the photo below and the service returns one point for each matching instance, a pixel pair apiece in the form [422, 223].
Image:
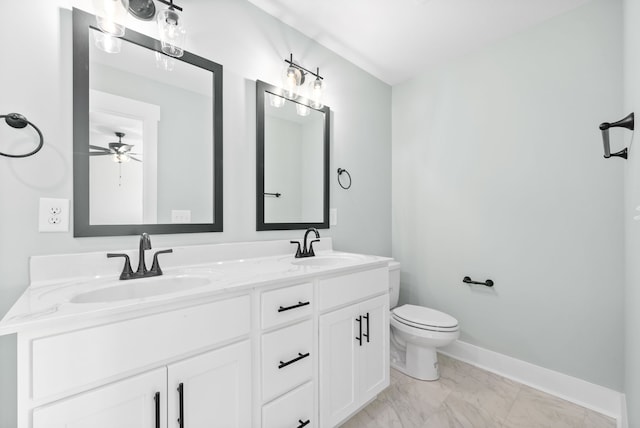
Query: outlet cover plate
[53, 215]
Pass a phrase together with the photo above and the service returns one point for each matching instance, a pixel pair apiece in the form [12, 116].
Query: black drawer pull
[359, 338]
[181, 402]
[298, 358]
[156, 399]
[288, 308]
[303, 424]
[367, 333]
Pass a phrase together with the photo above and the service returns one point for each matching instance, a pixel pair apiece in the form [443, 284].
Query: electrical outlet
[53, 215]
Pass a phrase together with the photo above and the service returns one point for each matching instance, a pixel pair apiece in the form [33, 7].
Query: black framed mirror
[292, 165]
[147, 136]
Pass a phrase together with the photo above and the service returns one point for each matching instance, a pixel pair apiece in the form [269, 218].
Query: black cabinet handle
[156, 399]
[298, 358]
[303, 424]
[467, 280]
[359, 338]
[181, 403]
[367, 334]
[288, 308]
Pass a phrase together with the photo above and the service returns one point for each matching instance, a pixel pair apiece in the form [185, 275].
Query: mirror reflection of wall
[165, 111]
[293, 164]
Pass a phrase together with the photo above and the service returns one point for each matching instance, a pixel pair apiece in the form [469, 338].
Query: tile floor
[468, 397]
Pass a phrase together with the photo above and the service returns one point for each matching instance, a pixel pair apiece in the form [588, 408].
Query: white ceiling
[396, 39]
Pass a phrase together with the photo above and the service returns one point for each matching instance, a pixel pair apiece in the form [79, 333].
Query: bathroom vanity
[232, 335]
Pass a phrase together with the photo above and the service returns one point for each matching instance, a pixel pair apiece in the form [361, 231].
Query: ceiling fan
[119, 151]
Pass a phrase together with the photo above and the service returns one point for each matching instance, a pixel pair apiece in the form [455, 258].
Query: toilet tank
[394, 283]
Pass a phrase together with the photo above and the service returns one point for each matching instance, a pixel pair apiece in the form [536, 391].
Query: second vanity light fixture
[294, 79]
[111, 17]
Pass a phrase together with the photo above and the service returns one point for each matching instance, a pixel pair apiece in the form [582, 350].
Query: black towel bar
[468, 280]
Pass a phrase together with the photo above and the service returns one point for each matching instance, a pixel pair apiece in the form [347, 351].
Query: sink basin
[332, 260]
[139, 288]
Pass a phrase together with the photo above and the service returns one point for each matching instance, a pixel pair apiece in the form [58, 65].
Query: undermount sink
[332, 260]
[140, 288]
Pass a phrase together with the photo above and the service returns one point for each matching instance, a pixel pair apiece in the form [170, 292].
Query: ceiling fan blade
[102, 149]
[135, 159]
[100, 154]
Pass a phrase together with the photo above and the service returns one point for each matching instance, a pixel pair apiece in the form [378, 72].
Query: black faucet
[141, 272]
[307, 251]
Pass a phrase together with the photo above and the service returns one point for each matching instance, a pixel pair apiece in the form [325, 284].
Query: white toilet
[416, 332]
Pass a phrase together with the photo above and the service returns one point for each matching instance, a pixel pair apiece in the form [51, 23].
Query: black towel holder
[340, 171]
[18, 121]
[468, 280]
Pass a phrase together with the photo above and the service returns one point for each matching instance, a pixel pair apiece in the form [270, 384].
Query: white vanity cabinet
[288, 346]
[127, 373]
[354, 347]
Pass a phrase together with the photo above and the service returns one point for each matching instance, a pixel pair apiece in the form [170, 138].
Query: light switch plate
[53, 215]
[333, 217]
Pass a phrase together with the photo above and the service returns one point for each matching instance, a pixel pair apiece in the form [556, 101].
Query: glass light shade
[165, 62]
[111, 16]
[316, 93]
[107, 43]
[121, 158]
[276, 100]
[302, 110]
[291, 81]
[172, 32]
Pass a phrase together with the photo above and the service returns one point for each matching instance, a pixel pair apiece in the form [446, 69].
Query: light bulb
[316, 89]
[111, 16]
[276, 100]
[292, 79]
[172, 32]
[165, 62]
[108, 43]
[302, 110]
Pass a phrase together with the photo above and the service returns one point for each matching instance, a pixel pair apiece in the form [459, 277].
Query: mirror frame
[262, 89]
[82, 23]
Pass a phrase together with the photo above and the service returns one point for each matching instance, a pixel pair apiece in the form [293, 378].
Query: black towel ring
[340, 171]
[18, 121]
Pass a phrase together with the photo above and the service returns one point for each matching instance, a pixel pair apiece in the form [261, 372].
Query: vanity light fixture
[171, 29]
[276, 100]
[294, 78]
[111, 16]
[142, 9]
[302, 110]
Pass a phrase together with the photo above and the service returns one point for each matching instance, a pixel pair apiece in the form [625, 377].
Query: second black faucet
[307, 251]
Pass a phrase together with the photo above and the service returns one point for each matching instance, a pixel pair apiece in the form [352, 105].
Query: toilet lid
[421, 316]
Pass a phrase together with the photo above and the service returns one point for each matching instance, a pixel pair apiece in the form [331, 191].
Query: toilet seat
[424, 318]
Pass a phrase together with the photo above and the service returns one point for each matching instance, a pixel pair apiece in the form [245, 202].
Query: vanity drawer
[344, 289]
[83, 357]
[291, 410]
[287, 359]
[286, 304]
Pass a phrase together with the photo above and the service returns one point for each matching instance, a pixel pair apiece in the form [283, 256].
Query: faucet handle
[310, 253]
[155, 267]
[298, 251]
[127, 272]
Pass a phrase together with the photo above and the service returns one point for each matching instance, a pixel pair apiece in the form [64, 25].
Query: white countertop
[57, 280]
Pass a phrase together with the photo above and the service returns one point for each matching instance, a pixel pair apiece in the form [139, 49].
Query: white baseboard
[595, 397]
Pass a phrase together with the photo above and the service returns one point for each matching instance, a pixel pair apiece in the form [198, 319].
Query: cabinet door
[338, 370]
[373, 361]
[215, 389]
[138, 402]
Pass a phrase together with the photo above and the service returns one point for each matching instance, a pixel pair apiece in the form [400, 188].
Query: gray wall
[498, 173]
[632, 200]
[250, 45]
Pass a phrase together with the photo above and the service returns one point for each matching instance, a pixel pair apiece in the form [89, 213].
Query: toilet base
[419, 362]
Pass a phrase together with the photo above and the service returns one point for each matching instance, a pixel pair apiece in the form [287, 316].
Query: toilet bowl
[416, 332]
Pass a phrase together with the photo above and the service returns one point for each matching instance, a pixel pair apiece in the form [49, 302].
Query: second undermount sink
[329, 260]
[140, 288]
